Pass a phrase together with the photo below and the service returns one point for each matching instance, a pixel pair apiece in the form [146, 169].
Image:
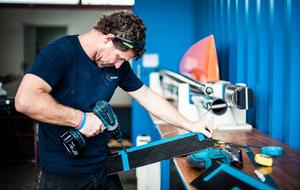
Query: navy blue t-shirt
[77, 82]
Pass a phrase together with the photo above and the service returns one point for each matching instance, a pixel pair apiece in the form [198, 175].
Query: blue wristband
[82, 122]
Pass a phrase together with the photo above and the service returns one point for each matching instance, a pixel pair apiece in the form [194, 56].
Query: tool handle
[106, 114]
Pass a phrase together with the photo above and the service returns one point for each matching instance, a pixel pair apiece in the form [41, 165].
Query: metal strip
[160, 142]
[160, 150]
[125, 162]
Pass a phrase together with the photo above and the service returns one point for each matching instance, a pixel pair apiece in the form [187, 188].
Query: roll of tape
[263, 160]
[272, 150]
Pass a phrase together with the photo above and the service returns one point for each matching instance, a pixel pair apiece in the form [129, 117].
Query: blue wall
[170, 28]
[258, 42]
[170, 32]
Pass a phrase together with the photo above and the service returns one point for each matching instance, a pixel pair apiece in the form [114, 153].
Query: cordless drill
[74, 141]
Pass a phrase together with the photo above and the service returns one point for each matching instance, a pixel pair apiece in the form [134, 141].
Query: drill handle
[106, 114]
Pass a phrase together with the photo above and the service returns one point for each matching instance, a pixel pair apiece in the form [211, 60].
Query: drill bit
[122, 145]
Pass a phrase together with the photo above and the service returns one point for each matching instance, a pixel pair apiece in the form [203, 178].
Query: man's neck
[88, 42]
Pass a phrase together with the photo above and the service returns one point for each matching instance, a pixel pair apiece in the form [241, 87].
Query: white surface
[108, 2]
[154, 83]
[150, 60]
[184, 106]
[148, 177]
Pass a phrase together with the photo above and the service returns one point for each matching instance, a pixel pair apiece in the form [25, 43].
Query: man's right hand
[93, 125]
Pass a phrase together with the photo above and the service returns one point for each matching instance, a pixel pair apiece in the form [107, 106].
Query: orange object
[200, 62]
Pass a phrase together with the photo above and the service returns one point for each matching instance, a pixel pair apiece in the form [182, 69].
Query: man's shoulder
[65, 41]
[65, 44]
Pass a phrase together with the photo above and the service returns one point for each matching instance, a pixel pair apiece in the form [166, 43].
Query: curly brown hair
[126, 25]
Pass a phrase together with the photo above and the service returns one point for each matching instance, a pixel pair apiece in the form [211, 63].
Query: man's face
[109, 56]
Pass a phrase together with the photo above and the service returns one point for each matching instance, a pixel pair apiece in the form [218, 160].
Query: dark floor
[22, 177]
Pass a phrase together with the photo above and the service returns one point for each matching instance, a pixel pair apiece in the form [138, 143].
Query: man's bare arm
[162, 109]
[33, 99]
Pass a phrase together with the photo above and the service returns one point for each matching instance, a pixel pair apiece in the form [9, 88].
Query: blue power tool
[205, 158]
[74, 141]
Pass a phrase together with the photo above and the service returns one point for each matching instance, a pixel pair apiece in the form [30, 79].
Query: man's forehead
[126, 55]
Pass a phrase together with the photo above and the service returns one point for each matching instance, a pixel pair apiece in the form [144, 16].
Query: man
[60, 90]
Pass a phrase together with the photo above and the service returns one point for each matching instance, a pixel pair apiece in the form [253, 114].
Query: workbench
[285, 170]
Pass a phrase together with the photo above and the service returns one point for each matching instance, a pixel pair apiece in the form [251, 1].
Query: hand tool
[205, 158]
[107, 116]
[74, 141]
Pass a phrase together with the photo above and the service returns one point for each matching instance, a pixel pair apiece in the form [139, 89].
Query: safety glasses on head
[128, 44]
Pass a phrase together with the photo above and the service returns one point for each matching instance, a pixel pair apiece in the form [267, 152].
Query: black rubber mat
[158, 152]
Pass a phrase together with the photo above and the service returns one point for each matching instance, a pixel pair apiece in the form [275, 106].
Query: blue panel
[210, 9]
[262, 89]
[215, 20]
[232, 50]
[241, 40]
[170, 29]
[251, 52]
[262, 38]
[217, 33]
[294, 129]
[287, 70]
[223, 47]
[165, 174]
[277, 74]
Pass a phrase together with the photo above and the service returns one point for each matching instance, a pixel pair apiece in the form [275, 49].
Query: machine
[221, 102]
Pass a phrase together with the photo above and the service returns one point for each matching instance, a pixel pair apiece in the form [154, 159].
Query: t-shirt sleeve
[50, 64]
[129, 81]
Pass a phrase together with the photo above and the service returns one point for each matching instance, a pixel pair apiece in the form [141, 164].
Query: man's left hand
[203, 127]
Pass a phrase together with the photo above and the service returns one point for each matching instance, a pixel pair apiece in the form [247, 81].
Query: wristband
[77, 125]
[82, 122]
